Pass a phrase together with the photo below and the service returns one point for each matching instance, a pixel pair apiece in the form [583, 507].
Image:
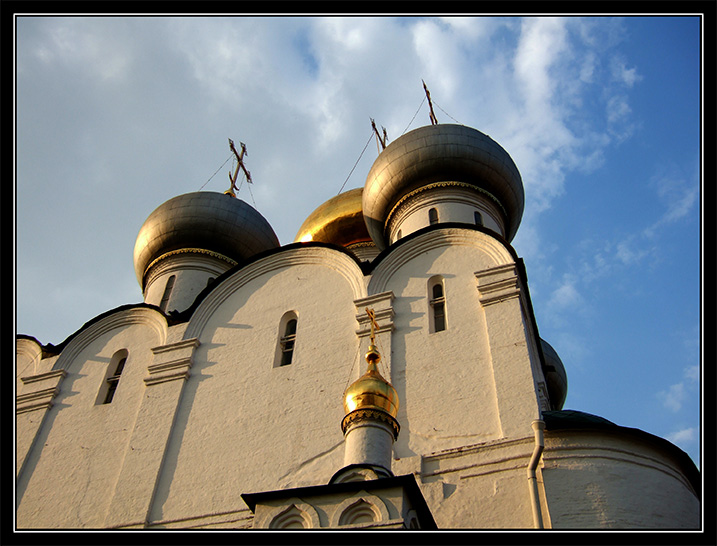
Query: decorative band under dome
[370, 414]
[181, 251]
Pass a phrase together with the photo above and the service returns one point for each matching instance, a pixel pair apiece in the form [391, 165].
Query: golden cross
[374, 324]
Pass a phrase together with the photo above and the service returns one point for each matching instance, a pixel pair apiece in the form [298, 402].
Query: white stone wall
[245, 425]
[72, 470]
[472, 382]
[480, 486]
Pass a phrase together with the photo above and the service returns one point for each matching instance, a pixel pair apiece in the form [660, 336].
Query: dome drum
[193, 270]
[453, 202]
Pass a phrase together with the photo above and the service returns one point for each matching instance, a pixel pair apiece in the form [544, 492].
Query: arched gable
[292, 256]
[146, 316]
[496, 252]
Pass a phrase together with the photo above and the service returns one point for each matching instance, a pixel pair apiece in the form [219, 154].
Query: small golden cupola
[371, 390]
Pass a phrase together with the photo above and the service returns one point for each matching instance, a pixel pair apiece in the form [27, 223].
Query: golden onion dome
[339, 221]
[371, 390]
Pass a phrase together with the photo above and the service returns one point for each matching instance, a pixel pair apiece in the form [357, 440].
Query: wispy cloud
[566, 295]
[675, 395]
[683, 436]
[678, 194]
[621, 73]
[678, 191]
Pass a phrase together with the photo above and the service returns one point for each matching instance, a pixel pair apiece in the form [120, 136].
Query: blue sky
[115, 115]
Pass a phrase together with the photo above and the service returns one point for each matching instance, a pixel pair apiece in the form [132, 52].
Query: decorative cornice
[370, 415]
[362, 244]
[498, 284]
[40, 398]
[172, 362]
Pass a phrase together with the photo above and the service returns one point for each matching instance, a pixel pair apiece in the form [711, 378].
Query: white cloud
[683, 436]
[622, 74]
[679, 194]
[627, 254]
[692, 373]
[566, 295]
[673, 397]
[542, 41]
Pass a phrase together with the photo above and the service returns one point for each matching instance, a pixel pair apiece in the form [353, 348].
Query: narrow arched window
[478, 218]
[287, 339]
[437, 305]
[167, 292]
[432, 216]
[115, 368]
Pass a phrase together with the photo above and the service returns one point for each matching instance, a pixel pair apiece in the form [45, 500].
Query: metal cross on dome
[374, 324]
[240, 164]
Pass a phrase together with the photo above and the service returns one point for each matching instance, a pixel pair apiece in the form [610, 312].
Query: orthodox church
[383, 371]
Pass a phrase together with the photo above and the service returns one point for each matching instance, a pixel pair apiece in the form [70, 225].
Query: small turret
[369, 426]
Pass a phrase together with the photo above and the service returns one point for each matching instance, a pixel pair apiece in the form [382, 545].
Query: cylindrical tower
[442, 173]
[193, 238]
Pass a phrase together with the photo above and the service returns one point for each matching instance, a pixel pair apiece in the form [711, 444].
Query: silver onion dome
[203, 221]
[441, 153]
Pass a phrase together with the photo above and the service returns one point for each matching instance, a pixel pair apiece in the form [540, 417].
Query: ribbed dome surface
[441, 153]
[208, 221]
